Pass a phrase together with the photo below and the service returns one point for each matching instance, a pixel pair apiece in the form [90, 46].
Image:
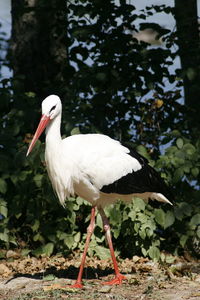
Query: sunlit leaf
[103, 253]
[154, 253]
[179, 143]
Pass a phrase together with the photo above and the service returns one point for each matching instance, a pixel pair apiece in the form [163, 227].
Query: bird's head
[51, 107]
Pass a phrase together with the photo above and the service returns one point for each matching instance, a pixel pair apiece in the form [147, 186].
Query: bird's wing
[101, 159]
[146, 179]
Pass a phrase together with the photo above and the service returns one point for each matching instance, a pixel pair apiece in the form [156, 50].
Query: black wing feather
[144, 180]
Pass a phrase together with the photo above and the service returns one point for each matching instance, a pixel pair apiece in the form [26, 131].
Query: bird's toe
[117, 280]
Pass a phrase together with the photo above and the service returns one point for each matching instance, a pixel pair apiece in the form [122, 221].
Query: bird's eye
[53, 107]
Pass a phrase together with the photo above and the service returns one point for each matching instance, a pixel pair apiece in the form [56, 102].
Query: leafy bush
[32, 218]
[122, 92]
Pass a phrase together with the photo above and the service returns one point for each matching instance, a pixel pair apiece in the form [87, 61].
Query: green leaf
[25, 252]
[3, 211]
[4, 236]
[36, 225]
[154, 253]
[23, 175]
[179, 143]
[116, 232]
[143, 151]
[49, 277]
[102, 252]
[2, 254]
[142, 232]
[189, 149]
[183, 209]
[136, 227]
[45, 250]
[198, 232]
[195, 171]
[169, 219]
[169, 259]
[3, 186]
[144, 251]
[99, 221]
[69, 241]
[101, 76]
[38, 180]
[139, 204]
[195, 220]
[115, 215]
[77, 237]
[160, 217]
[183, 240]
[178, 174]
[75, 131]
[191, 73]
[175, 133]
[132, 215]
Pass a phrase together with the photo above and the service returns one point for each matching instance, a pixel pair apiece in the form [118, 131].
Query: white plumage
[85, 163]
[95, 167]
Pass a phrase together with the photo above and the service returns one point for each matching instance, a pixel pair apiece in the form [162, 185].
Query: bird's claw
[117, 280]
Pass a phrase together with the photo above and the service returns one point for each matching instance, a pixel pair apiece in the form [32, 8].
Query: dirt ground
[31, 278]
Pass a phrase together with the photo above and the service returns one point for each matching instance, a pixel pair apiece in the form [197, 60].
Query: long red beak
[41, 126]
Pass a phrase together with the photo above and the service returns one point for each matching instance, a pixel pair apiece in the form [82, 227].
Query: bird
[97, 168]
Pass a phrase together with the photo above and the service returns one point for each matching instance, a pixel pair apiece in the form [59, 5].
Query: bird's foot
[117, 280]
[76, 285]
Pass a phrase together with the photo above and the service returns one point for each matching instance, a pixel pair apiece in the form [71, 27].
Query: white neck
[53, 136]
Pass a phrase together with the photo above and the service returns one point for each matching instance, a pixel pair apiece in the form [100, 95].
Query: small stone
[4, 270]
[105, 289]
[197, 278]
[20, 286]
[12, 254]
[135, 258]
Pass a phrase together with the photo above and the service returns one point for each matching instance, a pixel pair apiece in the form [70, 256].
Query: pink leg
[90, 230]
[118, 276]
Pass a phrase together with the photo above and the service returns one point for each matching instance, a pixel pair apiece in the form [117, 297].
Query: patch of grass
[37, 295]
[76, 295]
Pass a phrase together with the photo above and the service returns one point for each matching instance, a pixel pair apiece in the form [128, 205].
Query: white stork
[96, 168]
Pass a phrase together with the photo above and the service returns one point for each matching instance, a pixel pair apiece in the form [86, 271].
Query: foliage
[119, 87]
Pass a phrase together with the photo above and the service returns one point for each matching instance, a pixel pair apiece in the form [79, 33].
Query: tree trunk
[38, 45]
[188, 42]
